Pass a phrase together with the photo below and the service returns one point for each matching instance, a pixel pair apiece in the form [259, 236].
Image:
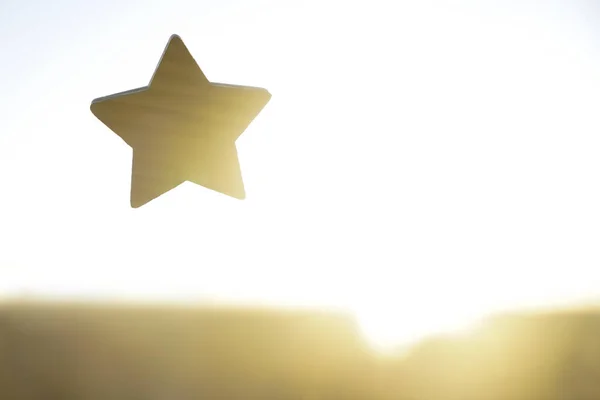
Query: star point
[182, 127]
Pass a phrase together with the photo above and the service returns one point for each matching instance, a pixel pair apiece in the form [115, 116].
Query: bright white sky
[419, 162]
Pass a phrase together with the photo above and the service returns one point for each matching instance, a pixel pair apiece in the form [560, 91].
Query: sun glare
[394, 153]
[387, 330]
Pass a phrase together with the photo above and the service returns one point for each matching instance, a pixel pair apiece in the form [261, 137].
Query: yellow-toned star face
[182, 127]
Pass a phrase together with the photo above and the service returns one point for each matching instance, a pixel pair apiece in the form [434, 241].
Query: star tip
[267, 95]
[135, 204]
[95, 105]
[241, 195]
[174, 36]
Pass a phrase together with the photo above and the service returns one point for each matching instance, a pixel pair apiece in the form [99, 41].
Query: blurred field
[78, 351]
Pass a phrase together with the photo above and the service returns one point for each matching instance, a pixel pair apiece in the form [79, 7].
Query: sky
[419, 163]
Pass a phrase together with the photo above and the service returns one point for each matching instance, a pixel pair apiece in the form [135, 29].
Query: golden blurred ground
[78, 351]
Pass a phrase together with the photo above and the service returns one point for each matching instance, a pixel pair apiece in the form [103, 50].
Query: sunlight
[388, 328]
[454, 169]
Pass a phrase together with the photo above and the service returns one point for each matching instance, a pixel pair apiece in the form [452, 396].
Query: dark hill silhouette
[69, 351]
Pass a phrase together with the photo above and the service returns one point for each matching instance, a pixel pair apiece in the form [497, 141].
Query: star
[182, 127]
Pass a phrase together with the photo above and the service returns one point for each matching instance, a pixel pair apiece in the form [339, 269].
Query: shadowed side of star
[182, 127]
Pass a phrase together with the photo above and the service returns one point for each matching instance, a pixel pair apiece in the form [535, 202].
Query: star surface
[182, 127]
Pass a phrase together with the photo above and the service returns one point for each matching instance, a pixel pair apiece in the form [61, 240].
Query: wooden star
[182, 127]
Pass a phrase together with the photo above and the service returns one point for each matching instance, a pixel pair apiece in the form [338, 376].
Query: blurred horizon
[436, 160]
